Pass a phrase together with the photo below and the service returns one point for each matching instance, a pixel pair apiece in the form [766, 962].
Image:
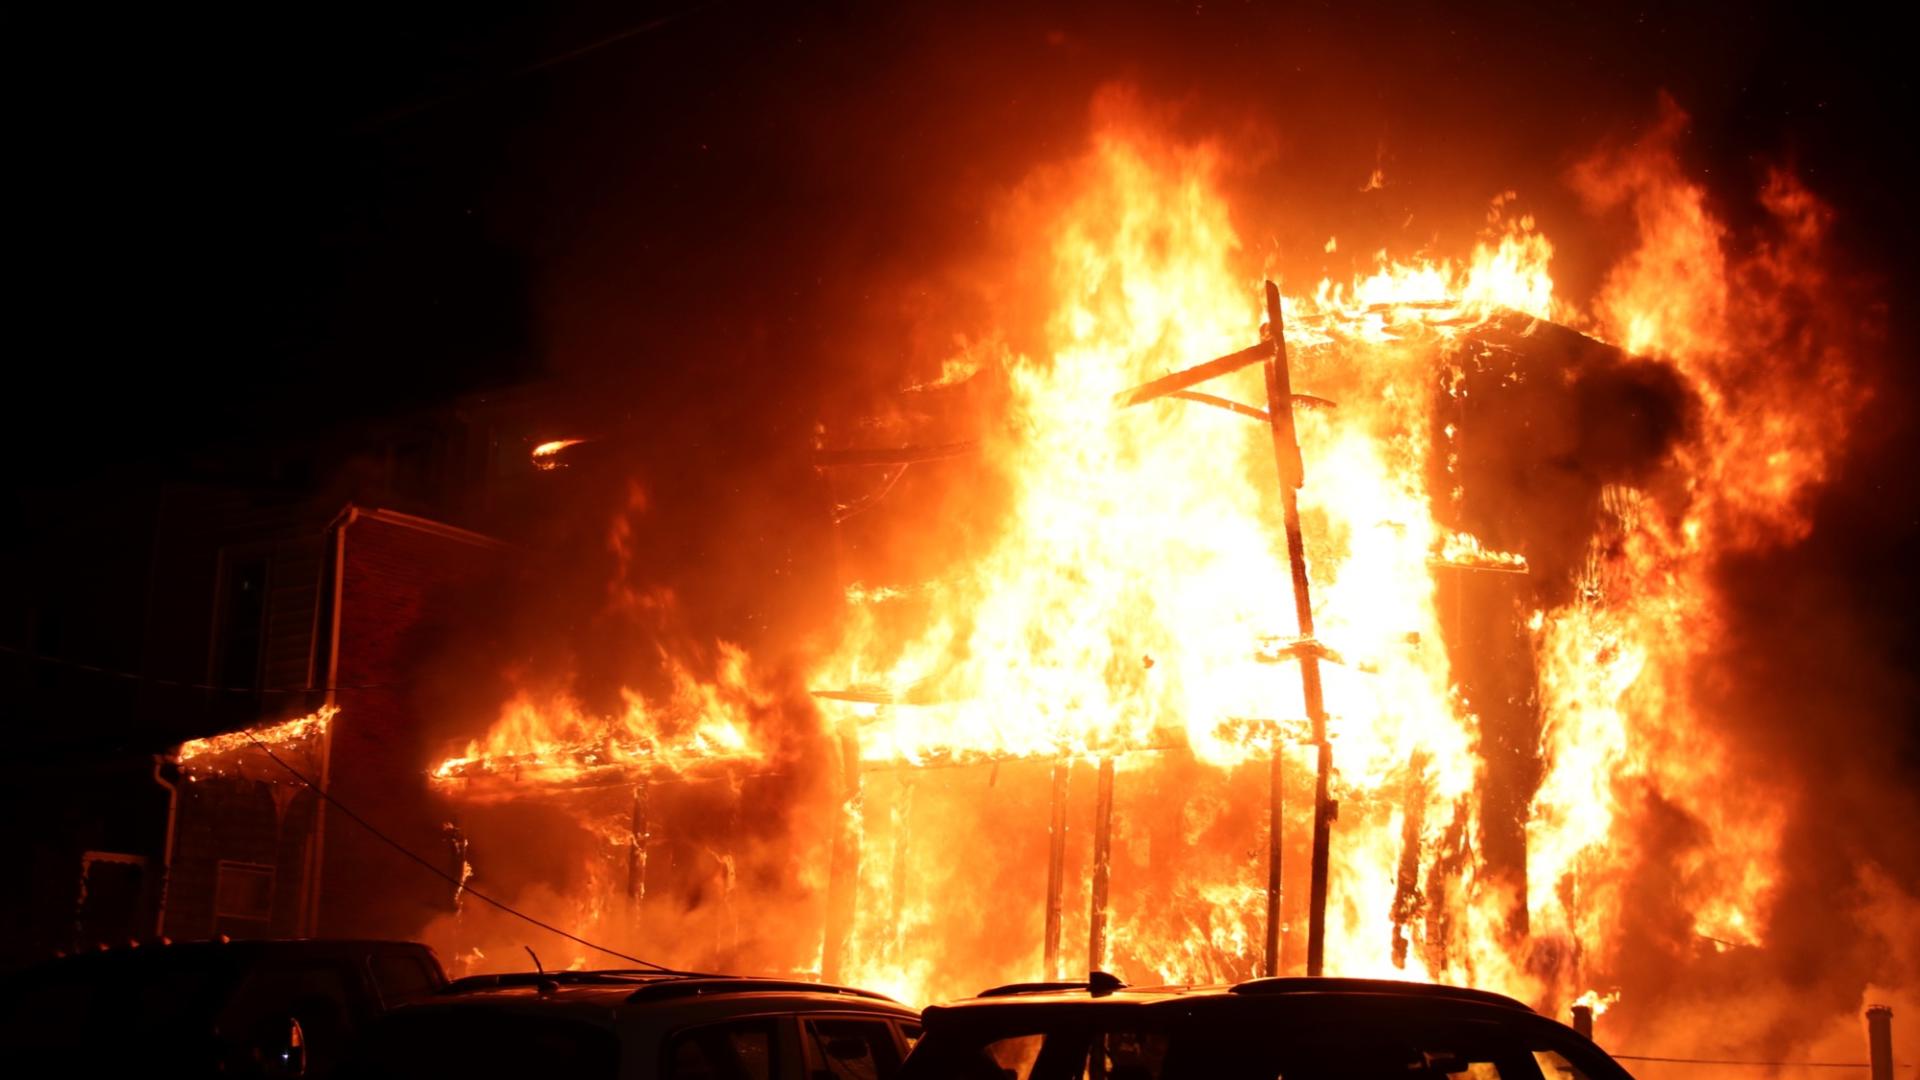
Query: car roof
[1104, 988]
[606, 996]
[221, 953]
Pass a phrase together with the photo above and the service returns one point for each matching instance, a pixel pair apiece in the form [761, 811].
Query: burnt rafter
[1251, 412]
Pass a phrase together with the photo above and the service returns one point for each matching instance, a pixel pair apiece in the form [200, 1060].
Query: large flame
[1133, 603]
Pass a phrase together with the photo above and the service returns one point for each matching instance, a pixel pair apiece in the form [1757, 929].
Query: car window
[844, 1049]
[461, 1044]
[1231, 1050]
[1009, 1057]
[319, 994]
[1554, 1067]
[1016, 1057]
[910, 1033]
[741, 1050]
[401, 978]
[1126, 1054]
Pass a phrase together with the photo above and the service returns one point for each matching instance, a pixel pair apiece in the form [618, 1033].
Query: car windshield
[1195, 1049]
[462, 1043]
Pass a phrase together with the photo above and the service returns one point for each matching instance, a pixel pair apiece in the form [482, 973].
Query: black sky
[245, 219]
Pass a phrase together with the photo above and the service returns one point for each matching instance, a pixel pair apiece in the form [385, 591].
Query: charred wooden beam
[1276, 792]
[1102, 868]
[1193, 376]
[1056, 867]
[902, 821]
[1407, 897]
[637, 836]
[843, 862]
[1240, 408]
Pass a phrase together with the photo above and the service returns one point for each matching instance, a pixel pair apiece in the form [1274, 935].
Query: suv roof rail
[534, 978]
[1011, 989]
[1097, 983]
[694, 985]
[1327, 985]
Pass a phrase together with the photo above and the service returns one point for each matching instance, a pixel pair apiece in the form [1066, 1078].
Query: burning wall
[1518, 538]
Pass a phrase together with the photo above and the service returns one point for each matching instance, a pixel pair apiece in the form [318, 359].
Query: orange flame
[1133, 602]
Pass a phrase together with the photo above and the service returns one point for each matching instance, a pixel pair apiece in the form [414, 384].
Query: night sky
[238, 220]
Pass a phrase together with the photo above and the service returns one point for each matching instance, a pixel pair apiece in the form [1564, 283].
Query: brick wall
[403, 583]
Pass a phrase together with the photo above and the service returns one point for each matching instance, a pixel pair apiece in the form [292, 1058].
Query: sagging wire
[466, 888]
[1755, 1064]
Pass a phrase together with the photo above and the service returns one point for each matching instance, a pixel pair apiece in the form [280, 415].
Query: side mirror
[281, 1049]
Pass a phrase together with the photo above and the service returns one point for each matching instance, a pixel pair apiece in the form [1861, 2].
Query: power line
[181, 684]
[1756, 1064]
[392, 116]
[435, 870]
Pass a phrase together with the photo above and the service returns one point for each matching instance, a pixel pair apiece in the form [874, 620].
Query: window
[743, 1050]
[844, 1049]
[1242, 1044]
[1553, 1066]
[243, 616]
[909, 1033]
[401, 978]
[243, 891]
[462, 1044]
[1014, 1057]
[319, 994]
[1126, 1055]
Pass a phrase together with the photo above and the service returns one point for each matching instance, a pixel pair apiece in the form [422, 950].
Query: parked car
[260, 1008]
[1296, 1029]
[603, 1025]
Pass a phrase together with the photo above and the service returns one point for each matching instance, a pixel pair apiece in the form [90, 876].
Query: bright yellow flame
[285, 733]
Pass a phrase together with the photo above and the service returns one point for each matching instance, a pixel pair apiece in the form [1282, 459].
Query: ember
[297, 733]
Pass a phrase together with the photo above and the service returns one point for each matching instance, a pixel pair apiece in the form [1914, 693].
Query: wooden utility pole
[1278, 416]
[1286, 455]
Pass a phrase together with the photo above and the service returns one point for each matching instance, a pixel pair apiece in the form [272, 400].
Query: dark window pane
[243, 891]
[401, 978]
[460, 1044]
[851, 1049]
[242, 617]
[744, 1050]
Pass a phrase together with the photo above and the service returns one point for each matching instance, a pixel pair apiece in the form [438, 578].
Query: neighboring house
[269, 574]
[255, 852]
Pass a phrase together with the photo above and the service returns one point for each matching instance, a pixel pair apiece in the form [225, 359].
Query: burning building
[1127, 677]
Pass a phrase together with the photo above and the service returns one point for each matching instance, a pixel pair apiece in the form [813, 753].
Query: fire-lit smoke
[1111, 583]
